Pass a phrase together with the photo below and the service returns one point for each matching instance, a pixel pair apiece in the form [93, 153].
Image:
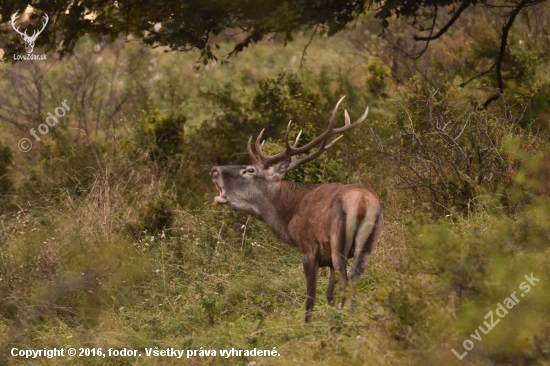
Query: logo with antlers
[29, 40]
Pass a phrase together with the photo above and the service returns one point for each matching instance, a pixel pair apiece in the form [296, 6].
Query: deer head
[245, 188]
[29, 40]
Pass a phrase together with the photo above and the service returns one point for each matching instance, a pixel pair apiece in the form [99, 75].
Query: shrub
[450, 156]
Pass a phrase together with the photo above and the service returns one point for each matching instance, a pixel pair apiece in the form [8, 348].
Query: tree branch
[302, 59]
[255, 36]
[449, 24]
[502, 51]
[478, 75]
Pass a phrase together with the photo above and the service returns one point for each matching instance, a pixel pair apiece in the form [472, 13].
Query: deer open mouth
[222, 198]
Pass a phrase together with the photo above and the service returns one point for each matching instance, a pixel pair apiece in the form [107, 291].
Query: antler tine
[297, 162]
[323, 137]
[297, 139]
[348, 125]
[45, 22]
[286, 135]
[265, 160]
[333, 142]
[250, 153]
[259, 145]
[333, 118]
[346, 115]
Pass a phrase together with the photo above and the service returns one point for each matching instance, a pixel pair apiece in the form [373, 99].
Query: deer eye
[251, 170]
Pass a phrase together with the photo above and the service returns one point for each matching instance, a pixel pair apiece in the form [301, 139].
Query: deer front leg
[330, 289]
[310, 270]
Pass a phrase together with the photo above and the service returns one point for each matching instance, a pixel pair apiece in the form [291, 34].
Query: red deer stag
[329, 223]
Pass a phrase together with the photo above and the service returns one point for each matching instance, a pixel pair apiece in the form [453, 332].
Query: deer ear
[276, 172]
[281, 168]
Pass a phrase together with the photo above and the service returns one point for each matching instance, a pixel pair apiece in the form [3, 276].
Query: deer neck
[284, 200]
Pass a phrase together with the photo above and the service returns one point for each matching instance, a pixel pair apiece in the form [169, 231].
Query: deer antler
[292, 151]
[15, 16]
[35, 32]
[44, 23]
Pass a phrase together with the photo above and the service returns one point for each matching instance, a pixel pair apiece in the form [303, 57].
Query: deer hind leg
[366, 238]
[311, 266]
[365, 241]
[338, 244]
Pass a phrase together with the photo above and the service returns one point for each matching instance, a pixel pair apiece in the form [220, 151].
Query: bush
[450, 156]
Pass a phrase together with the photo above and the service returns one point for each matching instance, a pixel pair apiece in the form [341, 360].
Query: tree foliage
[199, 25]
[181, 25]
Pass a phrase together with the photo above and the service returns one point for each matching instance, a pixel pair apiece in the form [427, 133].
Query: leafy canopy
[181, 25]
[200, 25]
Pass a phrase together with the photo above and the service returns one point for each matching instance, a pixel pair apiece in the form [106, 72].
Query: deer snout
[215, 172]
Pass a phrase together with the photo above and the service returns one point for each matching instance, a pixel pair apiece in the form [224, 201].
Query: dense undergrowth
[110, 238]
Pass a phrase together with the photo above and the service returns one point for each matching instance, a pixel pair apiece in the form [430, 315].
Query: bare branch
[304, 52]
[503, 43]
[446, 27]
[478, 75]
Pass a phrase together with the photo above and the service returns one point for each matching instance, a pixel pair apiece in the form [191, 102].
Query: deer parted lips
[222, 198]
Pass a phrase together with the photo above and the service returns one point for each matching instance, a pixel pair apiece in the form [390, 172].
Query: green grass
[217, 280]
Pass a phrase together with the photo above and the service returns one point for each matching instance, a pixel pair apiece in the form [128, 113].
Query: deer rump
[335, 223]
